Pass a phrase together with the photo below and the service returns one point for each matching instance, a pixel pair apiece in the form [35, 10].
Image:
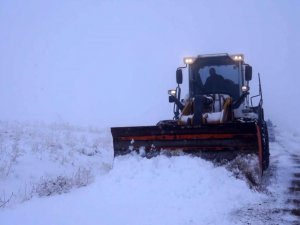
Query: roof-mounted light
[237, 57]
[189, 60]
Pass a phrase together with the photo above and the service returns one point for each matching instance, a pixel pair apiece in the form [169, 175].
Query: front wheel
[265, 146]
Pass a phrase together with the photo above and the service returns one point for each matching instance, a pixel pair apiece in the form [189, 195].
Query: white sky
[108, 63]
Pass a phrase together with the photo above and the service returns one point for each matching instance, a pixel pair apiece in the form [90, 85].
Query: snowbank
[130, 189]
[41, 159]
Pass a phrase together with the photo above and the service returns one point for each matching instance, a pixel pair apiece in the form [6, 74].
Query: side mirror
[179, 76]
[248, 73]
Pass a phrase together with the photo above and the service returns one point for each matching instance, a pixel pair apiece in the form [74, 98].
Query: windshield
[218, 79]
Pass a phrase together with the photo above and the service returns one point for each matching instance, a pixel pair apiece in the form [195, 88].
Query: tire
[265, 145]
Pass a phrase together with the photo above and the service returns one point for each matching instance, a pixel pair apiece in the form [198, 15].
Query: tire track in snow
[294, 189]
[281, 183]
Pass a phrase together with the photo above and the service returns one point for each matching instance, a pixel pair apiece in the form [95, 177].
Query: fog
[110, 63]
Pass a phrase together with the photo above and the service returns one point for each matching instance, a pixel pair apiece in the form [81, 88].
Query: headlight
[237, 57]
[245, 88]
[172, 92]
[189, 60]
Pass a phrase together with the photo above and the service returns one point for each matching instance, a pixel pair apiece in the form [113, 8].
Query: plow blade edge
[211, 140]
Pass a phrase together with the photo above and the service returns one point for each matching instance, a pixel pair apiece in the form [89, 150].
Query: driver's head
[212, 71]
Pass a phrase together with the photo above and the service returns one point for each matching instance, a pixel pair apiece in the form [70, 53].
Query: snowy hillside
[61, 174]
[36, 160]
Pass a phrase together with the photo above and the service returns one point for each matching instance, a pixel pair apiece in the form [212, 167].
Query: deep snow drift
[61, 174]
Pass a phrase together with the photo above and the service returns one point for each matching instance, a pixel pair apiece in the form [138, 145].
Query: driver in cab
[214, 82]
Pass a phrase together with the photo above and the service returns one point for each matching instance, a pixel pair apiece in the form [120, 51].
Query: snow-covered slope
[36, 159]
[60, 174]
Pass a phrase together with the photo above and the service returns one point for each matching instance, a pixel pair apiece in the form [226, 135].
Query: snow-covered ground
[62, 174]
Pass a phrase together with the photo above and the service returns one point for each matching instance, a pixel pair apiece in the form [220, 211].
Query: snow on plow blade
[213, 141]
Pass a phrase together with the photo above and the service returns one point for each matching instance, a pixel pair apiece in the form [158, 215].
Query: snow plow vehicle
[216, 121]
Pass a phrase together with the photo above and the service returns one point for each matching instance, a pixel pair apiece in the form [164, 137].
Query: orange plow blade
[213, 141]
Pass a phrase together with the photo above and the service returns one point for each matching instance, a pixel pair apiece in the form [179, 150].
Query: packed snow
[62, 174]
